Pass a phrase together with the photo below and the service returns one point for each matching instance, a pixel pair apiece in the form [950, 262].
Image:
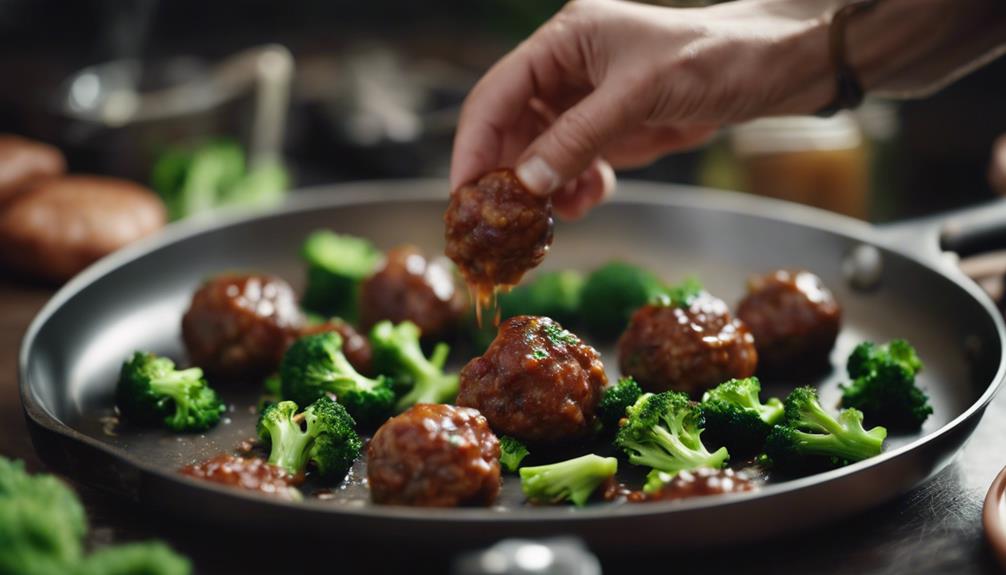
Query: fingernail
[537, 176]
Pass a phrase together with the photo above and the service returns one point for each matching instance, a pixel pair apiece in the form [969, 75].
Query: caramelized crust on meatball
[238, 326]
[496, 230]
[251, 473]
[689, 349]
[355, 347]
[434, 455]
[407, 286]
[537, 382]
[794, 319]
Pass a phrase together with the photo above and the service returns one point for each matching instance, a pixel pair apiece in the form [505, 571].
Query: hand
[608, 83]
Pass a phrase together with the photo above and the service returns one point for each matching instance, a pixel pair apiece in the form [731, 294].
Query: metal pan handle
[963, 232]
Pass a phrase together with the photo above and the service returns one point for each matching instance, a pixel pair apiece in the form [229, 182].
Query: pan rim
[631, 192]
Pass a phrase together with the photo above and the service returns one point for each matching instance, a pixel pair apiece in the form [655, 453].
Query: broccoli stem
[289, 445]
[573, 479]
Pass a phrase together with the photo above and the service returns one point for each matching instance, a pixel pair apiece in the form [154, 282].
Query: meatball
[251, 473]
[496, 230]
[23, 160]
[355, 347]
[434, 455]
[56, 227]
[238, 326]
[407, 286]
[537, 382]
[689, 348]
[698, 483]
[794, 319]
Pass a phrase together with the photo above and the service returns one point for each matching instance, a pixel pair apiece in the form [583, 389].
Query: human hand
[607, 83]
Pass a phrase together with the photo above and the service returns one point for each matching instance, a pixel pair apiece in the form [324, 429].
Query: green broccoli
[512, 452]
[315, 365]
[327, 438]
[551, 294]
[151, 390]
[41, 522]
[663, 431]
[336, 266]
[194, 180]
[42, 526]
[809, 439]
[574, 479]
[397, 354]
[883, 385]
[147, 558]
[736, 417]
[616, 399]
[612, 293]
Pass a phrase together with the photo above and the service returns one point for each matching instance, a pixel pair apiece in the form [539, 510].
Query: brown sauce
[698, 483]
[251, 473]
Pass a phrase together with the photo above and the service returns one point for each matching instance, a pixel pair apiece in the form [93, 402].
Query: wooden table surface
[934, 529]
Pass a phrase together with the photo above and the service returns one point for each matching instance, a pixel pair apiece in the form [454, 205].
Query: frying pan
[892, 283]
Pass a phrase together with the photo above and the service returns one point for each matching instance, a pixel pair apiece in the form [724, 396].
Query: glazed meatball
[238, 326]
[496, 230]
[794, 319]
[434, 455]
[23, 160]
[687, 348]
[355, 347]
[407, 286]
[537, 382]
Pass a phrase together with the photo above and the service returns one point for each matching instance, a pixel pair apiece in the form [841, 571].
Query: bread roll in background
[23, 160]
[55, 227]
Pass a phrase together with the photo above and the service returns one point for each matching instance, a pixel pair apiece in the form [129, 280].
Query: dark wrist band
[848, 91]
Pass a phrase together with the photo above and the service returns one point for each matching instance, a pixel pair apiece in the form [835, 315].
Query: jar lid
[795, 134]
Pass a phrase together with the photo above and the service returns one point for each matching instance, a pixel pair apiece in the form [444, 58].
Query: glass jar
[820, 162]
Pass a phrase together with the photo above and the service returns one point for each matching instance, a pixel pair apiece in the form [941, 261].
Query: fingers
[490, 111]
[580, 195]
[574, 140]
[645, 145]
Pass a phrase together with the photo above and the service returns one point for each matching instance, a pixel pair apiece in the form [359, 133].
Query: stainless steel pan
[892, 283]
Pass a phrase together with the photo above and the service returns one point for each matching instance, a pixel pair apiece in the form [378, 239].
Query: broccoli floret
[41, 522]
[147, 558]
[573, 480]
[42, 525]
[612, 293]
[551, 294]
[512, 452]
[736, 417]
[883, 385]
[151, 390]
[315, 365]
[324, 435]
[616, 399]
[336, 266]
[663, 431]
[809, 439]
[397, 354]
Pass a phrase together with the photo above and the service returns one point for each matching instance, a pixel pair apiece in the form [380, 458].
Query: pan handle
[964, 232]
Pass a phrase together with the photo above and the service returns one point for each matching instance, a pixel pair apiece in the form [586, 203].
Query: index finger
[491, 109]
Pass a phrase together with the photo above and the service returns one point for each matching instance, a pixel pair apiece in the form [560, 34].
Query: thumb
[571, 143]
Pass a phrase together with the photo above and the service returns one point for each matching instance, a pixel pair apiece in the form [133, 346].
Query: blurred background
[296, 93]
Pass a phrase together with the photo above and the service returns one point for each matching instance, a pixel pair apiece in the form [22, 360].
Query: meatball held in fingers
[496, 230]
[537, 382]
[434, 455]
[794, 319]
[686, 346]
[410, 287]
[238, 326]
